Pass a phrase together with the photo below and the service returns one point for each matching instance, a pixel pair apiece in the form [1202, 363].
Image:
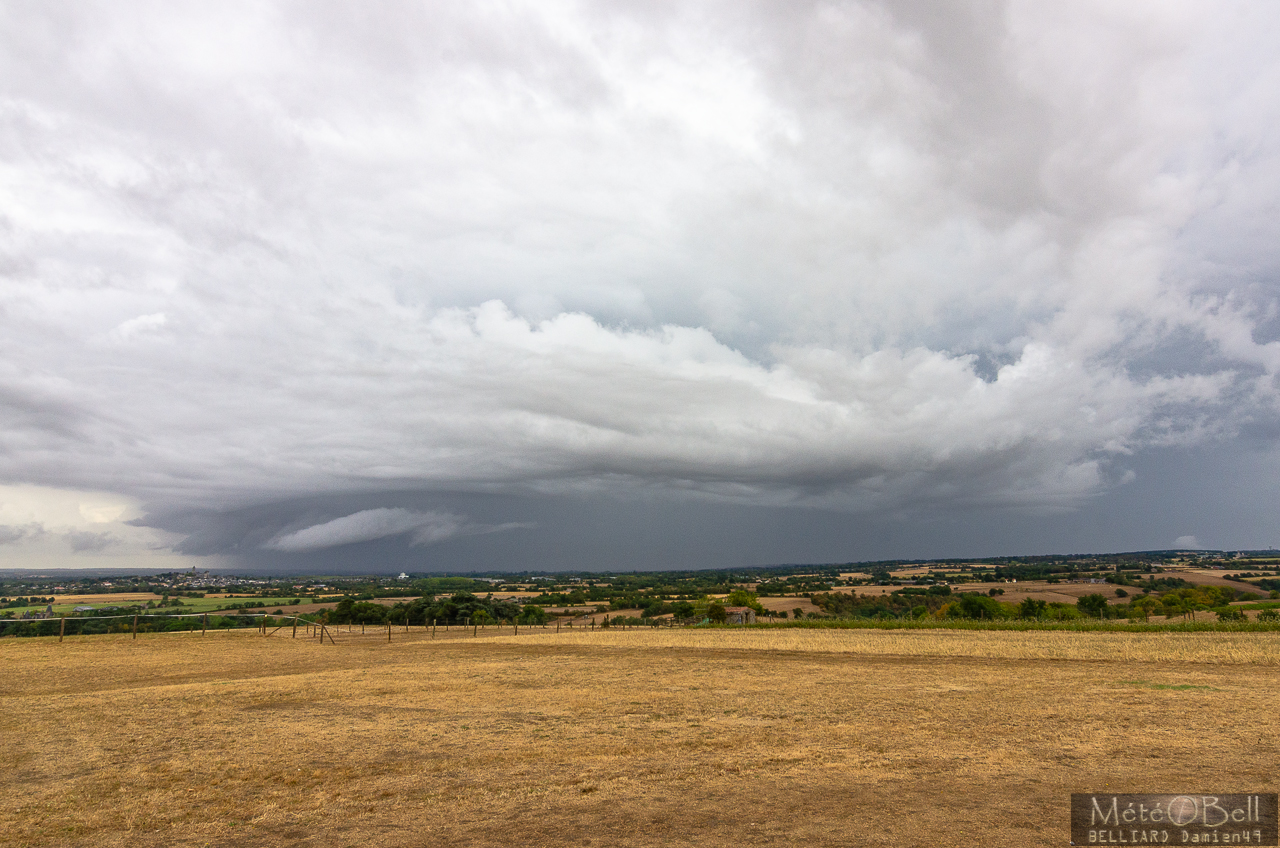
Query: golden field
[763, 737]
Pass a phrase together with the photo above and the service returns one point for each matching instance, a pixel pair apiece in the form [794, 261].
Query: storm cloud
[876, 261]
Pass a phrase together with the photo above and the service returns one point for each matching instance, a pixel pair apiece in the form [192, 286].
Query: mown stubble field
[635, 738]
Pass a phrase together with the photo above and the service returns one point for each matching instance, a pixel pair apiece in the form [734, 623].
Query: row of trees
[970, 605]
[16, 603]
[86, 626]
[464, 607]
[460, 608]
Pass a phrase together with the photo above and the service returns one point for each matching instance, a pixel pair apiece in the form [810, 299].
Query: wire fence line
[129, 623]
[57, 625]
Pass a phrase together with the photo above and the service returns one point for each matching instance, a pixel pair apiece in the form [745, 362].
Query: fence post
[515, 627]
[433, 628]
[295, 627]
[135, 627]
[557, 625]
[63, 629]
[593, 625]
[474, 628]
[388, 631]
[205, 628]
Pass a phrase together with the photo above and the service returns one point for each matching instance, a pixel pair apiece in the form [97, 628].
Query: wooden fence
[310, 629]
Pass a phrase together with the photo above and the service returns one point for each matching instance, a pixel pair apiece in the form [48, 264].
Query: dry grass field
[105, 598]
[792, 737]
[788, 604]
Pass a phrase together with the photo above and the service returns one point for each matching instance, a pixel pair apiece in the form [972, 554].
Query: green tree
[1143, 607]
[744, 598]
[973, 605]
[533, 614]
[1032, 608]
[1093, 605]
[716, 612]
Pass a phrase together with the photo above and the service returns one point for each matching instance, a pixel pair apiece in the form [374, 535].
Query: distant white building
[403, 576]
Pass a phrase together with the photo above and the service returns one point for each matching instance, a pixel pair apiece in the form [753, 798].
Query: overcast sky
[444, 286]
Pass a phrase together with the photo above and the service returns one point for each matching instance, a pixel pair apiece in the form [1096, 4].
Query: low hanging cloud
[423, 528]
[10, 534]
[85, 541]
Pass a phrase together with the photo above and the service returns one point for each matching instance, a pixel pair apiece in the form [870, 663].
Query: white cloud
[424, 528]
[58, 528]
[136, 327]
[1187, 542]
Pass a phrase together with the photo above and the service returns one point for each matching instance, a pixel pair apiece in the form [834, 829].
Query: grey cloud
[80, 541]
[888, 258]
[16, 533]
[1224, 486]
[85, 541]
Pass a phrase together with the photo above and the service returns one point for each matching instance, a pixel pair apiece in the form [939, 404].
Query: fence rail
[57, 625]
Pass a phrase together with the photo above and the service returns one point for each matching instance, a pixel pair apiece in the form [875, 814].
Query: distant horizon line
[53, 573]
